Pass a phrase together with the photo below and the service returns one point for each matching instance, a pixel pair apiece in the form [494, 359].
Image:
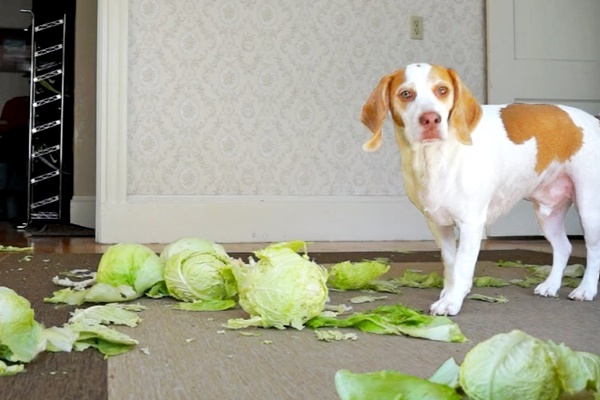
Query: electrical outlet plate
[416, 27]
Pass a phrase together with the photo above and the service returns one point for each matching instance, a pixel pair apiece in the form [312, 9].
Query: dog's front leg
[445, 238]
[458, 277]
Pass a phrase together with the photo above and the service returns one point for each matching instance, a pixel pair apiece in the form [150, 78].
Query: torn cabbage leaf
[334, 336]
[9, 370]
[98, 293]
[419, 280]
[349, 275]
[90, 325]
[489, 281]
[14, 249]
[396, 320]
[389, 384]
[489, 299]
[205, 305]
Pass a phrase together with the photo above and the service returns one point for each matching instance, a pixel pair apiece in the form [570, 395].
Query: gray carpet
[191, 356]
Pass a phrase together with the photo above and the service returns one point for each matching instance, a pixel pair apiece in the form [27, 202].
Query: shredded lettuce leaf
[205, 305]
[489, 281]
[396, 320]
[388, 384]
[419, 280]
[9, 370]
[14, 249]
[334, 336]
[489, 299]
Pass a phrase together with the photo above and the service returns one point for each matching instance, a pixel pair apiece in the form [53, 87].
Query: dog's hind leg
[589, 213]
[551, 221]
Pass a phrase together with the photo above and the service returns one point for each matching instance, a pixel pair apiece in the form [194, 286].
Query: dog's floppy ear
[465, 113]
[375, 111]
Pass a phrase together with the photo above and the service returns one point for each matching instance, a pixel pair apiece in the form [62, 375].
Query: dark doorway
[36, 170]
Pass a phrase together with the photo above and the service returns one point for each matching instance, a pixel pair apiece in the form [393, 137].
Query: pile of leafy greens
[499, 368]
[22, 338]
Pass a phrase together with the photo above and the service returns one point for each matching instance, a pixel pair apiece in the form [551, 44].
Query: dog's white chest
[431, 180]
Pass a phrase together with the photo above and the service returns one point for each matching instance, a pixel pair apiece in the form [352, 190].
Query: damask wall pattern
[263, 97]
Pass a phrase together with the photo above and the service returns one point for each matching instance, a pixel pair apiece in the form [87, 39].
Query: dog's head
[429, 101]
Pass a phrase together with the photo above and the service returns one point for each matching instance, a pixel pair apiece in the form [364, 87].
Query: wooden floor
[41, 244]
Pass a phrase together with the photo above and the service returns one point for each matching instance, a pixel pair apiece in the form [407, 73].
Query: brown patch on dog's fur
[557, 137]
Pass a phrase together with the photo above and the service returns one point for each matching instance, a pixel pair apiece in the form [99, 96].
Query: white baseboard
[230, 219]
[83, 211]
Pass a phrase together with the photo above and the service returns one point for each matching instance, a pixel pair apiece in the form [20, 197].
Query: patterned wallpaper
[263, 97]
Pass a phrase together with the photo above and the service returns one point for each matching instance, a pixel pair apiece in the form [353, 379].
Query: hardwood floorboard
[64, 244]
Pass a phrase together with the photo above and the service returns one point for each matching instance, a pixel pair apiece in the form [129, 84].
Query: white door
[542, 51]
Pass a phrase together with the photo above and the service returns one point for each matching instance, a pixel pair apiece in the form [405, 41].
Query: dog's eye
[406, 94]
[443, 90]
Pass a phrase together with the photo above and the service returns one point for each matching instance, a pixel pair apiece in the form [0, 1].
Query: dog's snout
[430, 119]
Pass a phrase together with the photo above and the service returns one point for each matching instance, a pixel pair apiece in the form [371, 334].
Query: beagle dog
[465, 164]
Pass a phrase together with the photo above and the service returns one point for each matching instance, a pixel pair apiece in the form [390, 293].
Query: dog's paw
[583, 293]
[547, 289]
[446, 306]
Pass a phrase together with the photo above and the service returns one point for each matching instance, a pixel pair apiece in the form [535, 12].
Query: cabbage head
[193, 244]
[126, 271]
[196, 276]
[510, 364]
[130, 264]
[282, 289]
[21, 337]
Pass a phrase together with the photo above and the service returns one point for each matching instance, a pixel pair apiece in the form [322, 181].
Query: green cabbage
[282, 289]
[126, 272]
[518, 363]
[130, 264]
[21, 336]
[193, 244]
[193, 276]
[355, 275]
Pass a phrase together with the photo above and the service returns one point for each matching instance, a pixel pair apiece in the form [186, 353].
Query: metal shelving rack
[46, 120]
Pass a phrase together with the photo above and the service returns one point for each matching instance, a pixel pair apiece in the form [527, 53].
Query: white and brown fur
[465, 164]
